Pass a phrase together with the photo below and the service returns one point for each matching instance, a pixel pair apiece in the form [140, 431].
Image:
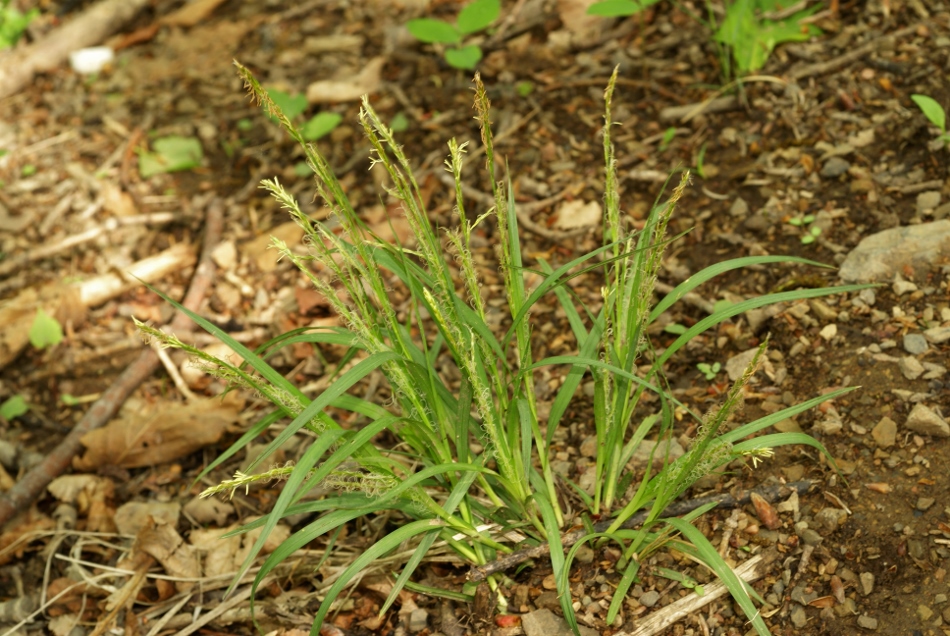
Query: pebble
[927, 202]
[924, 420]
[739, 208]
[924, 503]
[902, 287]
[867, 622]
[649, 599]
[937, 335]
[915, 343]
[798, 616]
[867, 583]
[911, 367]
[829, 331]
[810, 537]
[418, 620]
[830, 519]
[736, 365]
[834, 167]
[924, 612]
[588, 447]
[878, 257]
[870, 297]
[885, 432]
[946, 615]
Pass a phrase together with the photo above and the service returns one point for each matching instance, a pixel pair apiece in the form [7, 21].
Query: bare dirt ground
[827, 129]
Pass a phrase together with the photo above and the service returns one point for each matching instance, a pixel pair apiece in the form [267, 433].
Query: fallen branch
[34, 482]
[724, 500]
[90, 28]
[751, 570]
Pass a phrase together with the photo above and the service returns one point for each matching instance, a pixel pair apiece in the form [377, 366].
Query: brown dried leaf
[168, 548]
[823, 601]
[837, 588]
[165, 434]
[225, 555]
[879, 487]
[191, 13]
[765, 512]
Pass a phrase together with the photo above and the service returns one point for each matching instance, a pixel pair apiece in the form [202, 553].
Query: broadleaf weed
[473, 460]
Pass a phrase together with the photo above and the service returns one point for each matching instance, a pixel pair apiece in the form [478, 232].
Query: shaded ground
[820, 133]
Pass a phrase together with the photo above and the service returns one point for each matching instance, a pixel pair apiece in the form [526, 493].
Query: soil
[817, 132]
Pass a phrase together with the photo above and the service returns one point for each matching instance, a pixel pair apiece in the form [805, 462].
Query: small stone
[885, 432]
[924, 612]
[829, 331]
[915, 344]
[927, 202]
[641, 456]
[902, 287]
[830, 519]
[649, 599]
[923, 420]
[924, 503]
[937, 335]
[225, 255]
[588, 447]
[946, 615]
[911, 367]
[418, 620]
[868, 296]
[834, 167]
[739, 208]
[736, 365]
[798, 616]
[866, 622]
[810, 537]
[584, 554]
[867, 583]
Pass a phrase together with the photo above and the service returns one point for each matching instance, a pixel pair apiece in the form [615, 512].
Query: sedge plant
[471, 466]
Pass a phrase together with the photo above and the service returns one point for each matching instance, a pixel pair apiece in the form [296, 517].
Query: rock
[880, 256]
[946, 615]
[642, 455]
[911, 367]
[589, 446]
[936, 335]
[868, 296]
[544, 622]
[924, 503]
[885, 432]
[649, 599]
[834, 167]
[830, 519]
[828, 332]
[927, 202]
[810, 536]
[798, 616]
[584, 554]
[418, 620]
[915, 344]
[736, 365]
[866, 622]
[867, 583]
[925, 421]
[924, 612]
[739, 208]
[902, 287]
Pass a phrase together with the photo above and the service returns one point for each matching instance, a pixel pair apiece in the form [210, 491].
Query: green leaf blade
[433, 31]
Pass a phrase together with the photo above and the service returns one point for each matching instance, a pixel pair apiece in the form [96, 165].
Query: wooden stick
[751, 570]
[34, 482]
[89, 29]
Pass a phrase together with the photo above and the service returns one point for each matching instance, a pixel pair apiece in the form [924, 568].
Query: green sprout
[475, 17]
[935, 113]
[709, 370]
[811, 232]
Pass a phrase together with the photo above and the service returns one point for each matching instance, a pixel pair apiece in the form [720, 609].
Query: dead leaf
[577, 214]
[162, 435]
[130, 518]
[192, 13]
[349, 88]
[765, 512]
[22, 525]
[225, 555]
[91, 495]
[117, 201]
[179, 559]
[823, 601]
[206, 510]
[879, 487]
[261, 248]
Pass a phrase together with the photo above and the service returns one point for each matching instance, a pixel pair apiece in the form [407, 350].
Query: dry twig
[33, 483]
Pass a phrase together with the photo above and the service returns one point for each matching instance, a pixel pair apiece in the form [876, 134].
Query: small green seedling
[13, 407]
[935, 113]
[45, 331]
[13, 23]
[293, 106]
[475, 17]
[170, 154]
[752, 37]
[709, 370]
[685, 580]
[524, 88]
[668, 135]
[28, 170]
[811, 232]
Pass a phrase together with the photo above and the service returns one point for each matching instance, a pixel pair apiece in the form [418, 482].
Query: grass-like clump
[471, 465]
